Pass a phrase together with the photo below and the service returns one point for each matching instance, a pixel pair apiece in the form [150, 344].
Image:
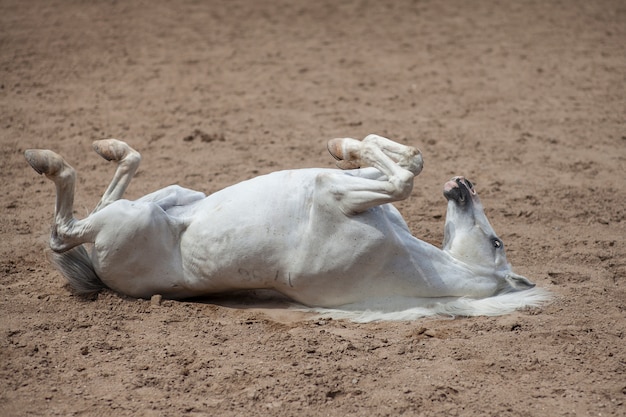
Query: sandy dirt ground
[526, 98]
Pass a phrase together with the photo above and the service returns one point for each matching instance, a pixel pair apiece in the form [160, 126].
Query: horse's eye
[497, 243]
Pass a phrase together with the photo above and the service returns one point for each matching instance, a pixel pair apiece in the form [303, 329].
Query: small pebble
[430, 333]
[156, 299]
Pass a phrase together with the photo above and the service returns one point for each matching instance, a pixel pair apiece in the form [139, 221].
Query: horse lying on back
[325, 238]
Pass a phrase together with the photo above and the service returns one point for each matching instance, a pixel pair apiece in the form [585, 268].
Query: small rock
[430, 333]
[252, 394]
[156, 299]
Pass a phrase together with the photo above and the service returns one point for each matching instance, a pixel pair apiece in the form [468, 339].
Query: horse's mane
[451, 306]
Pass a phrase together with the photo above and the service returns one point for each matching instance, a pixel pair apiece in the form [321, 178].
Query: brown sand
[526, 98]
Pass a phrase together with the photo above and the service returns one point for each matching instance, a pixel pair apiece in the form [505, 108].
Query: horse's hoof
[111, 149]
[44, 161]
[345, 151]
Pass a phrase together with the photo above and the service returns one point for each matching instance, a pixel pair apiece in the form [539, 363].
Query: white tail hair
[75, 265]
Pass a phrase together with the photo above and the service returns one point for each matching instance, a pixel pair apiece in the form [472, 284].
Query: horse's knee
[414, 161]
[373, 138]
[402, 185]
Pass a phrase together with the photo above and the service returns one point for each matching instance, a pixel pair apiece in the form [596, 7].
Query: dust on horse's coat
[323, 237]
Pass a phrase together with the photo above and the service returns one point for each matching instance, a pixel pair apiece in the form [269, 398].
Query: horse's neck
[448, 274]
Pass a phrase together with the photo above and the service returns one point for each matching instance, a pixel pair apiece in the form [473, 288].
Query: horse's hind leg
[62, 174]
[67, 232]
[172, 196]
[67, 235]
[127, 160]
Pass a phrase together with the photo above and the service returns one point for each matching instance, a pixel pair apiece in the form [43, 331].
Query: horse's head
[469, 237]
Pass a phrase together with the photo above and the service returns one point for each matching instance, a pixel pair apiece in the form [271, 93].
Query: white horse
[325, 238]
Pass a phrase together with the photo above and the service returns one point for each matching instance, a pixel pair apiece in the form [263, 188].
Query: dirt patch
[525, 98]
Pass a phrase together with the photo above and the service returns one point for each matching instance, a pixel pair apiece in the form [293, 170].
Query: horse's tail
[76, 266]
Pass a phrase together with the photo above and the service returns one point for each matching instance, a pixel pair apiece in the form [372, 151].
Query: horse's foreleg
[354, 194]
[351, 153]
[397, 163]
[127, 160]
[406, 157]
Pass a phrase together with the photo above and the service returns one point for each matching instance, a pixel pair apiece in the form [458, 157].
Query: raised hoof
[112, 149]
[45, 161]
[345, 151]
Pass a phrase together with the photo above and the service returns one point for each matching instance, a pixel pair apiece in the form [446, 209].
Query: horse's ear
[518, 282]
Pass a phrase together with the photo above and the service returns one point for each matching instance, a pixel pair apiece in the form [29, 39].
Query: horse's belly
[269, 233]
[296, 258]
[245, 235]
